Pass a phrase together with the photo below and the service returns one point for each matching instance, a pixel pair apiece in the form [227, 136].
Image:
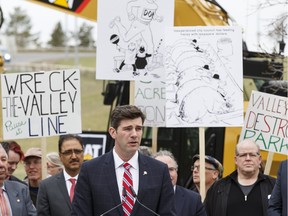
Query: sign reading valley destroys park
[266, 122]
[41, 104]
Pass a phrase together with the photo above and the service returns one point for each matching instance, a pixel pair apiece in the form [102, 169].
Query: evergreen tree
[19, 25]
[58, 37]
[85, 35]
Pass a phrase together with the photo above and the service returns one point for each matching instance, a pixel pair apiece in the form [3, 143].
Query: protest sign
[204, 76]
[266, 122]
[150, 98]
[41, 104]
[130, 39]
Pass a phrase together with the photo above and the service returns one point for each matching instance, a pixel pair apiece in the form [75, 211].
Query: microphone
[124, 194]
[136, 198]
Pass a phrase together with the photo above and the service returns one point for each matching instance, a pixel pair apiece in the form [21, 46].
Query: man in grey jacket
[55, 193]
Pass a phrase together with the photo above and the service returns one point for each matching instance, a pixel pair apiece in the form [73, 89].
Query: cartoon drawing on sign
[141, 60]
[140, 14]
[200, 86]
[129, 57]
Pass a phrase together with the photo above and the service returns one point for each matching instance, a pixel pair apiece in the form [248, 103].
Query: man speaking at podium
[123, 181]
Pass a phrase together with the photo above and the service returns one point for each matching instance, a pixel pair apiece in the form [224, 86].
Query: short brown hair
[125, 112]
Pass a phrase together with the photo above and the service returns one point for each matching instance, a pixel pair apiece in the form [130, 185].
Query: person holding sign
[246, 191]
[15, 155]
[54, 164]
[33, 169]
[187, 202]
[278, 201]
[213, 171]
[124, 181]
[14, 196]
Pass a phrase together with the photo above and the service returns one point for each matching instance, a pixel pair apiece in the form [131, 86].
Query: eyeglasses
[198, 168]
[251, 155]
[71, 151]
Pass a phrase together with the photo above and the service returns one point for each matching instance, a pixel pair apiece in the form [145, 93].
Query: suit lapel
[63, 188]
[14, 199]
[110, 177]
[144, 172]
[179, 200]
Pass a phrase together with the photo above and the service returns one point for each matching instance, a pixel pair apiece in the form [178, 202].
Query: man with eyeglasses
[187, 202]
[213, 172]
[33, 169]
[56, 192]
[246, 191]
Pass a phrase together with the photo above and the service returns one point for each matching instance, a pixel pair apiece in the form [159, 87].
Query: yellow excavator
[187, 12]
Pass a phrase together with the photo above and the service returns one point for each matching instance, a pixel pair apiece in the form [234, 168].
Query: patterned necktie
[3, 204]
[73, 181]
[128, 200]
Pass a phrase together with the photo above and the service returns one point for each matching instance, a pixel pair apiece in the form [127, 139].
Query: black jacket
[217, 195]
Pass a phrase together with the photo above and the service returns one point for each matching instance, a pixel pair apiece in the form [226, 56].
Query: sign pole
[44, 153]
[131, 92]
[268, 163]
[202, 162]
[154, 139]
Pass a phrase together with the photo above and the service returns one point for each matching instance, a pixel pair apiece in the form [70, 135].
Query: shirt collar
[119, 162]
[67, 176]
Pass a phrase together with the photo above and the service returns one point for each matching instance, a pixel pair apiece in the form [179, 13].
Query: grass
[94, 113]
[84, 61]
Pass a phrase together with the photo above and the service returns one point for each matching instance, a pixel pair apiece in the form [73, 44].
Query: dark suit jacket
[188, 203]
[278, 201]
[53, 198]
[19, 198]
[97, 191]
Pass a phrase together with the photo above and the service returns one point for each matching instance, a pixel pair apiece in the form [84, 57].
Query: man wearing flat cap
[213, 171]
[33, 169]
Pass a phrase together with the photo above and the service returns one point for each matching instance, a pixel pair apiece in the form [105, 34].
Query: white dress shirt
[68, 182]
[134, 170]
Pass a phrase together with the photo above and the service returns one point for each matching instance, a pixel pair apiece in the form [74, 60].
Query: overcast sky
[243, 11]
[44, 18]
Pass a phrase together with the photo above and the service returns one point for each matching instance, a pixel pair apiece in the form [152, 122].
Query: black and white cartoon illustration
[129, 57]
[141, 60]
[126, 22]
[141, 13]
[204, 77]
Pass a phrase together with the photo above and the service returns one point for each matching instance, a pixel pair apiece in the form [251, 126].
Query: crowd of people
[131, 180]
